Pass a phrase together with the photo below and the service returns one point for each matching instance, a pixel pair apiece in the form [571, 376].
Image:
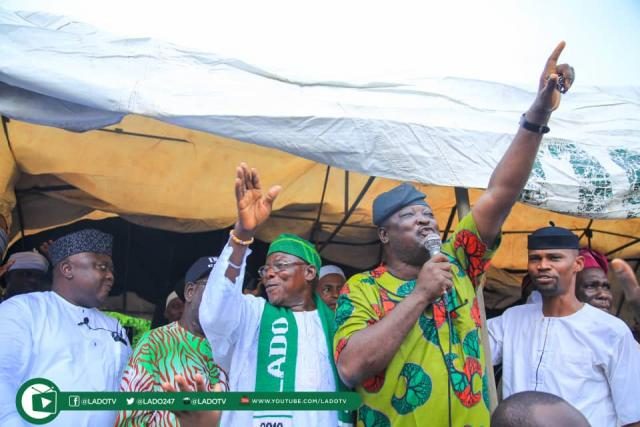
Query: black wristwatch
[532, 127]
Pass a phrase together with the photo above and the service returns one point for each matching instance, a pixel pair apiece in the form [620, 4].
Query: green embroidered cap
[297, 246]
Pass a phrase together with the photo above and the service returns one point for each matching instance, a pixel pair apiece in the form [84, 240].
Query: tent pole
[447, 228]
[626, 245]
[462, 202]
[464, 207]
[316, 223]
[344, 220]
[346, 192]
[5, 128]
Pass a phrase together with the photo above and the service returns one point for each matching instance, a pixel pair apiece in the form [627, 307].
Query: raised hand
[193, 418]
[627, 278]
[253, 207]
[548, 98]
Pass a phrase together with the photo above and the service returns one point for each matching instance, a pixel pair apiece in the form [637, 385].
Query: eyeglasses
[277, 267]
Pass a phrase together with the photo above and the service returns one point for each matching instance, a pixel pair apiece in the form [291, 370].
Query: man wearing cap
[566, 347]
[592, 282]
[179, 348]
[27, 272]
[409, 331]
[60, 335]
[330, 283]
[283, 344]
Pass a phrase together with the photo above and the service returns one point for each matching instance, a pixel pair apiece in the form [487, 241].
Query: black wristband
[532, 127]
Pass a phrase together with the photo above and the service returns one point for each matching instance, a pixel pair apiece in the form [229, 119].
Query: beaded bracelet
[238, 241]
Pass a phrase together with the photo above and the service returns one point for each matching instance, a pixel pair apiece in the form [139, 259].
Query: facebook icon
[74, 401]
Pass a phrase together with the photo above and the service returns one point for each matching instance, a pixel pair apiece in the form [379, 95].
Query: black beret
[88, 240]
[386, 204]
[552, 238]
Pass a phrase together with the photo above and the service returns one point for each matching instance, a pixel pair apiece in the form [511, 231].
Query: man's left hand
[193, 418]
[548, 98]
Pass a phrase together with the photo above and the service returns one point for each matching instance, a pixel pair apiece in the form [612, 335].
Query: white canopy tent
[435, 100]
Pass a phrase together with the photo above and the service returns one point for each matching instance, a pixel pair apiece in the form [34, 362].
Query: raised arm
[253, 207]
[224, 311]
[627, 278]
[511, 174]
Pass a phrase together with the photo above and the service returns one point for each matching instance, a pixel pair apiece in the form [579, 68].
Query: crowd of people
[407, 336]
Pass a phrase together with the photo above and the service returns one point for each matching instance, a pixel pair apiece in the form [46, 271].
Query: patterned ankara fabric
[161, 354]
[412, 391]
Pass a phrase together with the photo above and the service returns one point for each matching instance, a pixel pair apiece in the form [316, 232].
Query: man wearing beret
[593, 287]
[592, 282]
[409, 334]
[179, 348]
[280, 345]
[60, 335]
[26, 272]
[564, 346]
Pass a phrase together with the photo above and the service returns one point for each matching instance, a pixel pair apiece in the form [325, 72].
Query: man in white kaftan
[232, 321]
[61, 336]
[563, 346]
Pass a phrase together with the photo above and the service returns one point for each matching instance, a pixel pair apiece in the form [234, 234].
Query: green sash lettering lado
[278, 352]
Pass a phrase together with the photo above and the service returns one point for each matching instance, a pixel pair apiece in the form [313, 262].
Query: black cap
[552, 238]
[201, 268]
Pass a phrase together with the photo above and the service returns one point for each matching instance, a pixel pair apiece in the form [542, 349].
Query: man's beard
[415, 256]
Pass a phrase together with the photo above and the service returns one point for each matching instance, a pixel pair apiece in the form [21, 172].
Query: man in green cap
[283, 344]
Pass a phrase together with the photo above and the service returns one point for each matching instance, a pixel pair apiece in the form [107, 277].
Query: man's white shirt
[589, 358]
[40, 337]
[231, 323]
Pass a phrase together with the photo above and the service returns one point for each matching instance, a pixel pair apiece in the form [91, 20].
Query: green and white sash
[277, 359]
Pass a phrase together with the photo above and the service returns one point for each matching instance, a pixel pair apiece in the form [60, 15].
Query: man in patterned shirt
[415, 356]
[179, 348]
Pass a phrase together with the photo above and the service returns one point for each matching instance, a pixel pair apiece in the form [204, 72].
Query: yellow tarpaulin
[164, 176]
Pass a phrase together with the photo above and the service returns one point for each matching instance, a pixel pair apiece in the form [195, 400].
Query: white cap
[173, 295]
[28, 261]
[331, 269]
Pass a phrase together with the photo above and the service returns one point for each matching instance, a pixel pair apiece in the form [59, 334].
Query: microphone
[85, 321]
[118, 338]
[432, 245]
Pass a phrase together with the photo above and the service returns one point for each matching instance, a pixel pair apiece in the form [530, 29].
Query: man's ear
[66, 269]
[383, 235]
[579, 263]
[310, 273]
[189, 290]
